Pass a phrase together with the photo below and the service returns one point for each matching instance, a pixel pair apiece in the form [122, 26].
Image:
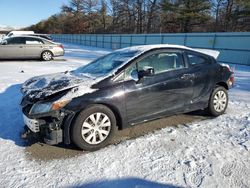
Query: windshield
[9, 34]
[106, 64]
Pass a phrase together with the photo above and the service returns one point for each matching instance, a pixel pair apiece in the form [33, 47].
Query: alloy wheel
[220, 101]
[96, 128]
[47, 56]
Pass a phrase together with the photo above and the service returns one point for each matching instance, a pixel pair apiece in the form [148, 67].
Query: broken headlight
[40, 108]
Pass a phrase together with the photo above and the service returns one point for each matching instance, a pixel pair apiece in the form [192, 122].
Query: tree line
[148, 16]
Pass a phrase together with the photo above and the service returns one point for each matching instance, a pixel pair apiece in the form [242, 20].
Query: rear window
[195, 59]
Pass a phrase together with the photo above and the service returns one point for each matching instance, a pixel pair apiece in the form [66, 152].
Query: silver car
[30, 47]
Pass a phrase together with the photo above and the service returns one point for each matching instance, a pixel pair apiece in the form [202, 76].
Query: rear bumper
[58, 52]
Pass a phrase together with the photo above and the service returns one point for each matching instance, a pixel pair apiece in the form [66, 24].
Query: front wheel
[218, 101]
[47, 56]
[94, 128]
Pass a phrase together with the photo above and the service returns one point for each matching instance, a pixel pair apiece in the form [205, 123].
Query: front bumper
[32, 124]
[52, 128]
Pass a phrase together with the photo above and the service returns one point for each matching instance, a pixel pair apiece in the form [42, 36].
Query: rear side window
[32, 41]
[195, 59]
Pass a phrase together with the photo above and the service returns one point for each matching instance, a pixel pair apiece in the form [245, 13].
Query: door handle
[20, 46]
[187, 76]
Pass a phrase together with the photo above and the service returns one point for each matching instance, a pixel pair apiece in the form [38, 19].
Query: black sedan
[129, 86]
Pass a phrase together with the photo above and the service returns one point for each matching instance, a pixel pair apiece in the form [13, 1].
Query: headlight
[40, 108]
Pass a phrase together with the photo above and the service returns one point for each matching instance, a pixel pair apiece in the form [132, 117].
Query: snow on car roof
[150, 47]
[145, 48]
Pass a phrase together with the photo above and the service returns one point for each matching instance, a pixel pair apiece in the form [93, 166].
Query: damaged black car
[86, 106]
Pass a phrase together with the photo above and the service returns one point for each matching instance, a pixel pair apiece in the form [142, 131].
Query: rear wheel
[94, 128]
[218, 101]
[47, 56]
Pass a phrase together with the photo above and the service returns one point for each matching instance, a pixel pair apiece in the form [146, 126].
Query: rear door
[164, 92]
[33, 47]
[14, 49]
[203, 69]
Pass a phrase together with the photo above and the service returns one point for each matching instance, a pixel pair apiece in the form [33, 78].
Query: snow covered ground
[209, 153]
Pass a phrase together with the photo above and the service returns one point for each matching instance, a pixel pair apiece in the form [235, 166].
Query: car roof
[38, 34]
[145, 48]
[26, 36]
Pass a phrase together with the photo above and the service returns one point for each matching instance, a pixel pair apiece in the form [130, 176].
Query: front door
[14, 48]
[166, 91]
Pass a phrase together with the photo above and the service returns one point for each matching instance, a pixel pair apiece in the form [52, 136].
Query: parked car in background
[27, 47]
[14, 33]
[121, 89]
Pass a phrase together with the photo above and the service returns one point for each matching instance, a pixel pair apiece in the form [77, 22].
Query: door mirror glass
[146, 71]
[134, 75]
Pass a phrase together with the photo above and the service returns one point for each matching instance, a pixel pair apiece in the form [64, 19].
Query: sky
[22, 13]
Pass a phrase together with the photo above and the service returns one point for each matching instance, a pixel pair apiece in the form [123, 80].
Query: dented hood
[40, 87]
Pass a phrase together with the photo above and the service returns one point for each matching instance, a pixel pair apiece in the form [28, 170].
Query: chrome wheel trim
[220, 101]
[96, 128]
[47, 56]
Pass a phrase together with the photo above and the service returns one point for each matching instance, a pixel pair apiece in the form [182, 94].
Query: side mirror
[147, 71]
[134, 75]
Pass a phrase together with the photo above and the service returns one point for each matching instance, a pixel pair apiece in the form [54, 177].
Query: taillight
[228, 67]
[61, 46]
[232, 78]
[232, 74]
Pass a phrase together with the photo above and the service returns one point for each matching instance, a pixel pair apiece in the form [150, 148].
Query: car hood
[41, 87]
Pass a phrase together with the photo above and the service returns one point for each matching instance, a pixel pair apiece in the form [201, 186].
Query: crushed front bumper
[52, 128]
[52, 138]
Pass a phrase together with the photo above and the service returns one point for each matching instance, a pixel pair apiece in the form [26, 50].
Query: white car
[15, 33]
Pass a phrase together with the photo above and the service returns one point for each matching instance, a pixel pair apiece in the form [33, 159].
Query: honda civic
[86, 106]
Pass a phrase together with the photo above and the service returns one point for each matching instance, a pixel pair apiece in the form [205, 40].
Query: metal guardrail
[234, 47]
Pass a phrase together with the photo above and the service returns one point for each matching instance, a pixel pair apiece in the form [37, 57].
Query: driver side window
[160, 62]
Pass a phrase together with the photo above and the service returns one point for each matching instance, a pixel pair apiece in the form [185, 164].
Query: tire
[218, 101]
[91, 136]
[47, 56]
